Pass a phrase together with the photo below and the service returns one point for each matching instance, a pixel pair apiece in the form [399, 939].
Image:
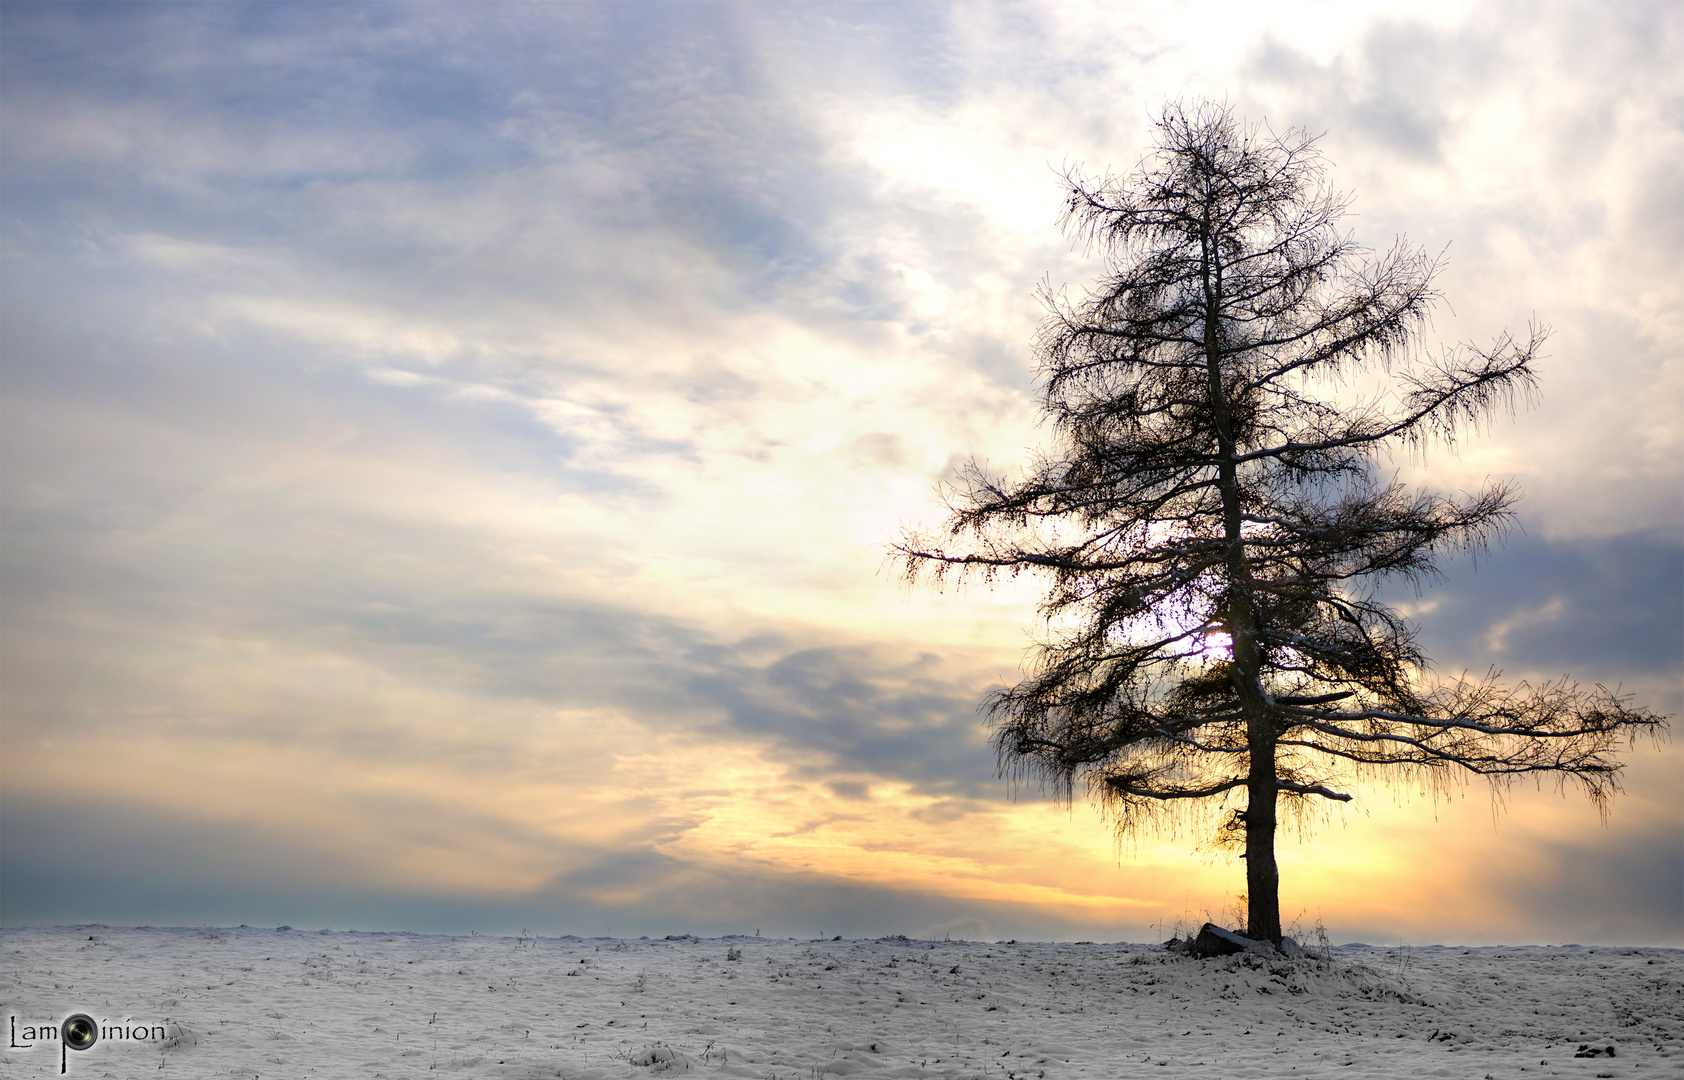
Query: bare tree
[1215, 532]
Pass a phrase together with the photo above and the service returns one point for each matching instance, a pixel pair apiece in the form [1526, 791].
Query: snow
[286, 1003]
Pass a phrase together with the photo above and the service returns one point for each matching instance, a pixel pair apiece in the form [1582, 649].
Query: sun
[1217, 645]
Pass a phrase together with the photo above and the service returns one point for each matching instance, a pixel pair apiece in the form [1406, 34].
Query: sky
[450, 452]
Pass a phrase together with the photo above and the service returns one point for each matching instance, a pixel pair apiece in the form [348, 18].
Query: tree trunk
[1262, 876]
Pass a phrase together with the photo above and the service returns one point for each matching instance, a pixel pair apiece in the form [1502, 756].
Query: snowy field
[268, 1003]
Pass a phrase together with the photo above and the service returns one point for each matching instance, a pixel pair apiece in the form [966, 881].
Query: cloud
[1543, 607]
[162, 871]
[1606, 892]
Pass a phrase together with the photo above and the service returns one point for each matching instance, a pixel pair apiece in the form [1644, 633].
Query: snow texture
[287, 1003]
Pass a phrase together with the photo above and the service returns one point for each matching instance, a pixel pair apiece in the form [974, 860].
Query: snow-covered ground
[268, 1003]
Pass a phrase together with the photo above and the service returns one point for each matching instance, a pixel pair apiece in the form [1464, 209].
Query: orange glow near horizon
[502, 831]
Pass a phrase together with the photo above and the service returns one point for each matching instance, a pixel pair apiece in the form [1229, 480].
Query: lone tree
[1214, 531]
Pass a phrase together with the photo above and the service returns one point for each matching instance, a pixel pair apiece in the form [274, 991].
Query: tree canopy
[1214, 516]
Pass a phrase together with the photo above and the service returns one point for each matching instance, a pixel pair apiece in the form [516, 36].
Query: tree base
[1212, 940]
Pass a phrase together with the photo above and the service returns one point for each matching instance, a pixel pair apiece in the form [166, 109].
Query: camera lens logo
[79, 1032]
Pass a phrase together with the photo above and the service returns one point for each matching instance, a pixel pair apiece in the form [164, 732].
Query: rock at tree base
[1215, 941]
